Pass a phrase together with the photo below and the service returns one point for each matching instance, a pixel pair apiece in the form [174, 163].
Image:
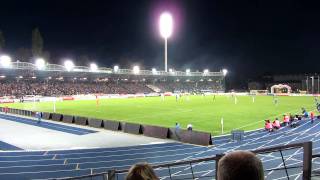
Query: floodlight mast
[166, 26]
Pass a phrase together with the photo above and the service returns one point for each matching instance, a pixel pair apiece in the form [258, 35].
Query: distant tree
[23, 54]
[2, 41]
[37, 43]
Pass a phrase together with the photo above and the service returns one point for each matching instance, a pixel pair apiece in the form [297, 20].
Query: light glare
[166, 25]
[136, 69]
[40, 63]
[225, 72]
[154, 71]
[93, 67]
[68, 64]
[115, 68]
[5, 61]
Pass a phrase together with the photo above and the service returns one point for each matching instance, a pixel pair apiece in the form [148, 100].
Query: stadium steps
[154, 88]
[45, 174]
[68, 163]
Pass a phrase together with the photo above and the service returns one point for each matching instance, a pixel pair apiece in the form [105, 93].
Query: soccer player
[97, 101]
[276, 101]
[162, 96]
[318, 107]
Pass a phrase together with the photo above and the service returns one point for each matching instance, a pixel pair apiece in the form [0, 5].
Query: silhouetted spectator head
[141, 171]
[240, 165]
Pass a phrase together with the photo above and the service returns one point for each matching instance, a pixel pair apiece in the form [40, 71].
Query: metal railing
[114, 174]
[59, 68]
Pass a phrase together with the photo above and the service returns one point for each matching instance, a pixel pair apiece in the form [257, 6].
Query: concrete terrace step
[45, 174]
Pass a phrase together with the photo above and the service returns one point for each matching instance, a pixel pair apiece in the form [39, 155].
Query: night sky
[249, 38]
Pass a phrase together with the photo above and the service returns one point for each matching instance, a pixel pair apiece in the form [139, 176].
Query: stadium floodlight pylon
[5, 61]
[166, 28]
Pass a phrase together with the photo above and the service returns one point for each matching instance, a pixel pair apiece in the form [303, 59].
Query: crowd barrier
[46, 115]
[97, 123]
[81, 120]
[112, 125]
[68, 119]
[155, 131]
[132, 128]
[57, 117]
[192, 137]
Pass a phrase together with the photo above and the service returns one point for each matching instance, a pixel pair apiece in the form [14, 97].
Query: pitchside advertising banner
[31, 98]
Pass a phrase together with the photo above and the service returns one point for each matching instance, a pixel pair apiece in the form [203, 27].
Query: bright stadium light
[136, 69]
[187, 71]
[166, 25]
[225, 72]
[166, 28]
[116, 68]
[5, 61]
[93, 67]
[154, 71]
[206, 71]
[68, 64]
[40, 63]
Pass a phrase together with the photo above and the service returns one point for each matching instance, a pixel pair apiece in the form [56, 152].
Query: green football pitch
[203, 112]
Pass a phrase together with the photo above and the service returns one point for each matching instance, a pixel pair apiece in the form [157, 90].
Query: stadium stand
[60, 88]
[278, 163]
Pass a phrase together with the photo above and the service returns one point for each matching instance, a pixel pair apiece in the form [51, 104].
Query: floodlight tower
[224, 72]
[166, 26]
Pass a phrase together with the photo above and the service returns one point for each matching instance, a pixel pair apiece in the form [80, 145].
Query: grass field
[203, 113]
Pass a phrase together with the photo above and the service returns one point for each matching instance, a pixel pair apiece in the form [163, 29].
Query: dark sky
[246, 37]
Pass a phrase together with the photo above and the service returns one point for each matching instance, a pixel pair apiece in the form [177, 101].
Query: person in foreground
[240, 165]
[141, 171]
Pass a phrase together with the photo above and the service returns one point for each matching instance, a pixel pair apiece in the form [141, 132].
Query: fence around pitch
[172, 168]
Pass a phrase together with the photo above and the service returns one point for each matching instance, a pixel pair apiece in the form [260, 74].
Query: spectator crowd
[61, 88]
